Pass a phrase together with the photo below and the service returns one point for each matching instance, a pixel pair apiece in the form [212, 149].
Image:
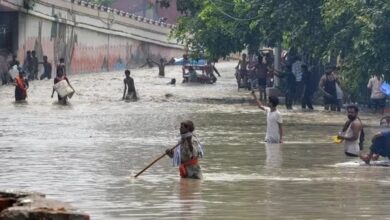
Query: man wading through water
[352, 133]
[129, 86]
[380, 147]
[274, 120]
[327, 86]
[61, 76]
[21, 86]
[188, 153]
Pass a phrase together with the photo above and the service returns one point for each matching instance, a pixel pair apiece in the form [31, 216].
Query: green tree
[361, 36]
[210, 23]
[355, 30]
[206, 30]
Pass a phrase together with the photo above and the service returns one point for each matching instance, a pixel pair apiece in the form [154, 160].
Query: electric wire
[230, 16]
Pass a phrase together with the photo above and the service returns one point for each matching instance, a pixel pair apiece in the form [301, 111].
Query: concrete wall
[91, 39]
[149, 8]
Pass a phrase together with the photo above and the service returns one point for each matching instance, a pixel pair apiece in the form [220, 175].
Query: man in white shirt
[378, 99]
[274, 119]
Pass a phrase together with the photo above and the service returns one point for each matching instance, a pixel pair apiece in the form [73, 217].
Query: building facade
[90, 38]
[149, 9]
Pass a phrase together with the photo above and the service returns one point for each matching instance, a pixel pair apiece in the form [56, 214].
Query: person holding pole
[188, 153]
[185, 154]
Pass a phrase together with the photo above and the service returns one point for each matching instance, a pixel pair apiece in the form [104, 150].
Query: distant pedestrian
[47, 69]
[378, 98]
[289, 85]
[307, 88]
[27, 65]
[328, 87]
[34, 65]
[13, 62]
[297, 71]
[339, 90]
[21, 86]
[242, 65]
[4, 76]
[261, 73]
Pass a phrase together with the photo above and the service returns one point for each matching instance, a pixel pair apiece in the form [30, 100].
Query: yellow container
[336, 139]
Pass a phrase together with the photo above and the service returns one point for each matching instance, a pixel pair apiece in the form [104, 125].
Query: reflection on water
[274, 155]
[86, 153]
[190, 198]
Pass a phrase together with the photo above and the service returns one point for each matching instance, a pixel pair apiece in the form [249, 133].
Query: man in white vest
[352, 132]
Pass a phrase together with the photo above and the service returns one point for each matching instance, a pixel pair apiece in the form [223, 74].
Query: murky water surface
[86, 153]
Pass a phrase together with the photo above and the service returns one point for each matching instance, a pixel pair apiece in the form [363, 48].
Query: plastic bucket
[385, 88]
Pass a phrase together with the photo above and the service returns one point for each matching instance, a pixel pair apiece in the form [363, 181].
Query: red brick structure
[149, 9]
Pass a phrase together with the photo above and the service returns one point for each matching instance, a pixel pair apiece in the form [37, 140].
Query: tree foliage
[361, 34]
[356, 30]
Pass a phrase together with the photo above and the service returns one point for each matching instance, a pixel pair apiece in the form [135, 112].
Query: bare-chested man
[129, 86]
[261, 73]
[242, 67]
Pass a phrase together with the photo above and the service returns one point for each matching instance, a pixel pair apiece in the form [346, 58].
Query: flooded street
[86, 153]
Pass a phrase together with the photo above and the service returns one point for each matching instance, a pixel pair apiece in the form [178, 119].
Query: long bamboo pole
[159, 158]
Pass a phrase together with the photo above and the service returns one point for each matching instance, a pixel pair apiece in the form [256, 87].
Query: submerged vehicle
[197, 73]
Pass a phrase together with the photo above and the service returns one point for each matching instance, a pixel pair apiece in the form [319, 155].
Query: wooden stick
[159, 158]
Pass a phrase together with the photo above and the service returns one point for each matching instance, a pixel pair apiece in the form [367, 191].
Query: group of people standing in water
[352, 133]
[189, 149]
[353, 137]
[21, 81]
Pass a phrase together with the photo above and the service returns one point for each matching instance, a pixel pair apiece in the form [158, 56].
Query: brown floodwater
[87, 152]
